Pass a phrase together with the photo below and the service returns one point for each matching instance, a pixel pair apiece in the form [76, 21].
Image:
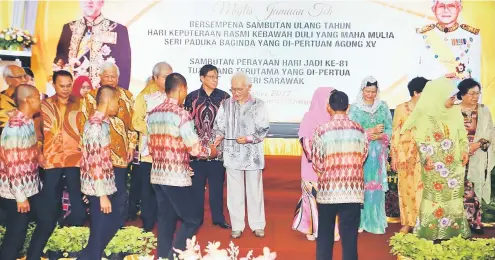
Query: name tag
[458, 42]
[107, 37]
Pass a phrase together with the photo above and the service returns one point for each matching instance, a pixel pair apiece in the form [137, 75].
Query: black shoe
[223, 225]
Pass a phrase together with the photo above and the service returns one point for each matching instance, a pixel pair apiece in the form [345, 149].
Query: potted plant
[66, 242]
[130, 241]
[15, 39]
[409, 246]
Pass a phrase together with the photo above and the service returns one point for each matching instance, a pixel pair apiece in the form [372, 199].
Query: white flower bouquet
[213, 252]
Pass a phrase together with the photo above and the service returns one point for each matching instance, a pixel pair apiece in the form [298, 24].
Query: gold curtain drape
[6, 10]
[482, 16]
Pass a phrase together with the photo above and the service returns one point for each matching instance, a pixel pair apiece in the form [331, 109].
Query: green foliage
[127, 241]
[133, 241]
[457, 248]
[29, 234]
[68, 240]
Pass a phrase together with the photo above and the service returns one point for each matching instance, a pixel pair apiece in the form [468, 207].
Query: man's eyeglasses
[25, 76]
[236, 90]
[212, 77]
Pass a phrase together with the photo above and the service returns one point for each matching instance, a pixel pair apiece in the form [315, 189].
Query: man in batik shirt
[149, 98]
[122, 134]
[98, 179]
[172, 139]
[203, 104]
[19, 178]
[61, 148]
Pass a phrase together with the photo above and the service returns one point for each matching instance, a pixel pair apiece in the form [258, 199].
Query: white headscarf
[360, 101]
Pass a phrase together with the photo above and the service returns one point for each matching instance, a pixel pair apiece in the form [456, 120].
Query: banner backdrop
[288, 48]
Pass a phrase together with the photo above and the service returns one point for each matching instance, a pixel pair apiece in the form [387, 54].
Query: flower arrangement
[16, 39]
[409, 246]
[193, 252]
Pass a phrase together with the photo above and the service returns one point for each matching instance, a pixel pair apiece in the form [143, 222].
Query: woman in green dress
[443, 146]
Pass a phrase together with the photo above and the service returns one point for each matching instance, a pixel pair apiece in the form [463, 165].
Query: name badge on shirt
[458, 42]
[107, 37]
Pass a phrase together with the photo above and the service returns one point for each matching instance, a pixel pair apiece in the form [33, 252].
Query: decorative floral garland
[16, 39]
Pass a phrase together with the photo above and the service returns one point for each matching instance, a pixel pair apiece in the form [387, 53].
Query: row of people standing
[468, 184]
[97, 163]
[375, 117]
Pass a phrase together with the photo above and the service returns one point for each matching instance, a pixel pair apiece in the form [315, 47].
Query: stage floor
[282, 191]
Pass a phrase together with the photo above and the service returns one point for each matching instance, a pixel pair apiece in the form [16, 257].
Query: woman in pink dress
[306, 215]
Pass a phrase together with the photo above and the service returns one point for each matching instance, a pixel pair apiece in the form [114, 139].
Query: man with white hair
[122, 133]
[93, 38]
[13, 76]
[150, 97]
[449, 49]
[242, 124]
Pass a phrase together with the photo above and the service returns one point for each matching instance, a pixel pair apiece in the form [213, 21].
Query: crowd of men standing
[88, 141]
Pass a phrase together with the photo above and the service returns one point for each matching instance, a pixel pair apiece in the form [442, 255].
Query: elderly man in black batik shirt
[203, 104]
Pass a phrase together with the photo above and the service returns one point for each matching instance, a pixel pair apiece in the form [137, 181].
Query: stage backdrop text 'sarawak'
[289, 48]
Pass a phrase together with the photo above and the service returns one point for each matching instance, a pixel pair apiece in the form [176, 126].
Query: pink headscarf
[317, 114]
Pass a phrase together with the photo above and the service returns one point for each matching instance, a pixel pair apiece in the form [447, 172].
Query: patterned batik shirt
[248, 120]
[97, 175]
[204, 109]
[122, 133]
[172, 139]
[61, 132]
[339, 149]
[19, 178]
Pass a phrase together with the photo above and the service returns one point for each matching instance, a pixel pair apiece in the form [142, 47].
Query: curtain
[482, 16]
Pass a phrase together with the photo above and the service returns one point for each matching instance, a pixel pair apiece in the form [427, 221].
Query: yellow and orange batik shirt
[122, 134]
[62, 128]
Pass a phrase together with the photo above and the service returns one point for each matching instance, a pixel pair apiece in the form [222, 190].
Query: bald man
[150, 97]
[98, 179]
[19, 178]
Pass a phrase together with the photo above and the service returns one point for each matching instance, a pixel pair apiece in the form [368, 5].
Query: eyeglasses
[473, 93]
[236, 90]
[212, 77]
[25, 76]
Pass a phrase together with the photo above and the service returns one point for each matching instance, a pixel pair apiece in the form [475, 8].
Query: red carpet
[282, 191]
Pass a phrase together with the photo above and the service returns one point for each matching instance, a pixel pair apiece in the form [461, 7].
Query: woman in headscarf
[443, 147]
[81, 86]
[405, 159]
[481, 136]
[374, 116]
[306, 215]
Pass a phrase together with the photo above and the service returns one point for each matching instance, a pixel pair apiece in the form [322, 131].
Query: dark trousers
[52, 194]
[148, 197]
[104, 226]
[16, 229]
[215, 173]
[349, 217]
[121, 194]
[175, 203]
[134, 192]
